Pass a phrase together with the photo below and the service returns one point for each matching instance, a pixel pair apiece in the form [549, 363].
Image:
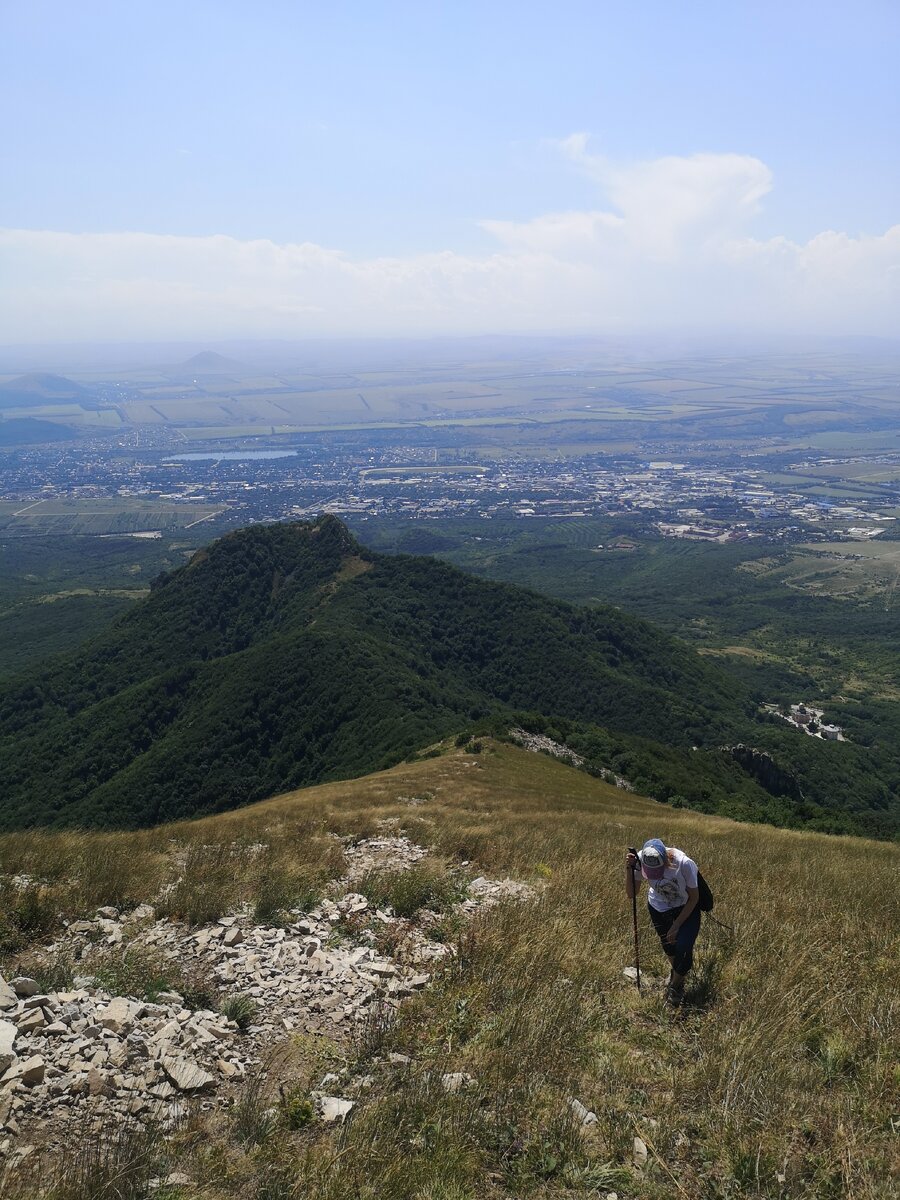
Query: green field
[100, 516]
[529, 397]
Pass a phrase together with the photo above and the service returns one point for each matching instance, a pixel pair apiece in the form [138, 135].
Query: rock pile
[380, 854]
[78, 1051]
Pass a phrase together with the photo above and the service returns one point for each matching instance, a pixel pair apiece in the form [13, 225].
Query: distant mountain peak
[208, 362]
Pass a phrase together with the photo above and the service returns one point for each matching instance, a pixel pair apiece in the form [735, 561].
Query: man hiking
[673, 904]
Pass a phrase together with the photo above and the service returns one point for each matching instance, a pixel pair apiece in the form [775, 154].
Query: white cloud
[669, 204]
[670, 246]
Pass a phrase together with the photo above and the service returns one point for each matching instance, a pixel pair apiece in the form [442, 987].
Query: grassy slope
[777, 1078]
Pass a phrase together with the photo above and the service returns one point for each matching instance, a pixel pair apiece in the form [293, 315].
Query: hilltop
[208, 362]
[38, 388]
[285, 655]
[312, 983]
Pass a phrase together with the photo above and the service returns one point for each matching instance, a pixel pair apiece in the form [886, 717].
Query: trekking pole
[634, 922]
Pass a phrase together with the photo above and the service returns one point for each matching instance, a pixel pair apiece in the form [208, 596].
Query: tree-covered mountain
[285, 655]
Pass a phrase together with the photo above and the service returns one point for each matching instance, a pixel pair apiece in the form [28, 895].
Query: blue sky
[401, 131]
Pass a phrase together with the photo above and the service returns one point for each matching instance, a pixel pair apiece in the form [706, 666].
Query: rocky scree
[81, 1053]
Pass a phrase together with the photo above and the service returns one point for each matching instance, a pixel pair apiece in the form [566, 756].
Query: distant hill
[39, 388]
[25, 431]
[286, 655]
[210, 363]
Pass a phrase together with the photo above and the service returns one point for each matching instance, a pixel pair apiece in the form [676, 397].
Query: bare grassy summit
[528, 1065]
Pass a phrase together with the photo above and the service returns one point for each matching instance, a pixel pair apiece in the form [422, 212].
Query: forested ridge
[285, 655]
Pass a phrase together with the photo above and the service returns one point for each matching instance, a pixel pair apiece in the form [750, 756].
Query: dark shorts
[681, 954]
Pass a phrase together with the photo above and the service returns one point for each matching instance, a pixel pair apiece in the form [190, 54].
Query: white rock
[33, 1070]
[32, 1020]
[385, 969]
[233, 936]
[39, 1002]
[333, 1108]
[120, 1014]
[455, 1081]
[583, 1115]
[169, 998]
[24, 987]
[187, 1076]
[8, 998]
[8, 1033]
[639, 1153]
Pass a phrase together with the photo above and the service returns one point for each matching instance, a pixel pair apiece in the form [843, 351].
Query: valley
[311, 833]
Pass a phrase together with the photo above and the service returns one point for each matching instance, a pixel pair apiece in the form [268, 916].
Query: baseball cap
[654, 859]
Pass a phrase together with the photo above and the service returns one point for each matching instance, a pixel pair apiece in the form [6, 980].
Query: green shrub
[296, 1109]
[280, 888]
[28, 915]
[55, 975]
[253, 1118]
[117, 1163]
[240, 1009]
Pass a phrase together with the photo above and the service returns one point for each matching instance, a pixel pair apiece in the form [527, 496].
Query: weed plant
[425, 885]
[240, 1009]
[117, 1164]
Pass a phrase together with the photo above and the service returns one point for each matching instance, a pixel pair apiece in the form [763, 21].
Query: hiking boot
[674, 994]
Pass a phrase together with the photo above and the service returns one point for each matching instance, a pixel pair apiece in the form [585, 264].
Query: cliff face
[765, 770]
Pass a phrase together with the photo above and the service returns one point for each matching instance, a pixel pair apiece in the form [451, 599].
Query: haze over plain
[211, 172]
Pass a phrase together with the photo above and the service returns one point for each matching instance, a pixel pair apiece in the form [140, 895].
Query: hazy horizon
[205, 174]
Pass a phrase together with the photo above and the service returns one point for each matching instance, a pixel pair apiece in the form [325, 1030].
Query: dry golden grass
[778, 1078]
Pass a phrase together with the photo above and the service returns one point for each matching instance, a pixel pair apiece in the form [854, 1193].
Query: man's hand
[672, 935]
[631, 860]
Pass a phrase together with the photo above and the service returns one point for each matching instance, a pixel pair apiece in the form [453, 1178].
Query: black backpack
[706, 900]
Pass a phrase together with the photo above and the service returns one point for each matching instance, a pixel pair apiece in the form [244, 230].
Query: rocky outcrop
[776, 780]
[537, 743]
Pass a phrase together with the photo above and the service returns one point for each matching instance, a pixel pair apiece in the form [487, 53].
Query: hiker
[673, 904]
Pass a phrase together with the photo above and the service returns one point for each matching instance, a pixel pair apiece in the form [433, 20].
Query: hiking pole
[637, 944]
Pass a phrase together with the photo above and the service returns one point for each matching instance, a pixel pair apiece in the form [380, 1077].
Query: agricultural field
[803, 402]
[100, 517]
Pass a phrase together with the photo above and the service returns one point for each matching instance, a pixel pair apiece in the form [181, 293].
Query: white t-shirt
[671, 890]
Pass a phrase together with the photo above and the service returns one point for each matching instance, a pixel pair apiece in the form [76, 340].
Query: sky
[217, 169]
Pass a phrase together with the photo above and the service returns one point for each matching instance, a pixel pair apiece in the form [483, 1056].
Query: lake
[235, 455]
